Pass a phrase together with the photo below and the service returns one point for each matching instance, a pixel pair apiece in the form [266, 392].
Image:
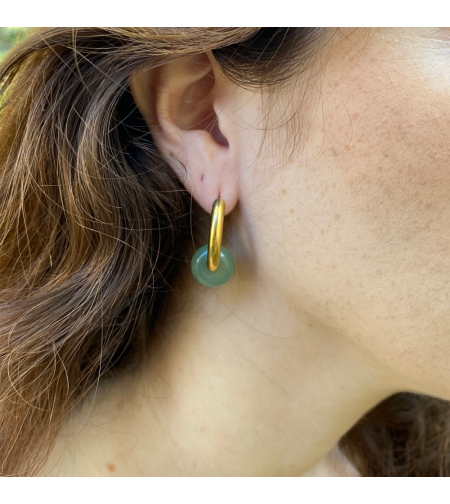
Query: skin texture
[341, 297]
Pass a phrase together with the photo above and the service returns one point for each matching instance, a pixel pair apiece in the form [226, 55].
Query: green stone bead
[216, 278]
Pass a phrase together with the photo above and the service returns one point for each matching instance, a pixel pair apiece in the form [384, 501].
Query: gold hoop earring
[213, 265]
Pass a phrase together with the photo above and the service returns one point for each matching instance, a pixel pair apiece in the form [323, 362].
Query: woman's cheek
[379, 179]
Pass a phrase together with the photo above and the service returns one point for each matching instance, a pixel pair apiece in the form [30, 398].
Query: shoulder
[334, 464]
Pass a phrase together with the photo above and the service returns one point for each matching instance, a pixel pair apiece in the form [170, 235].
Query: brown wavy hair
[94, 226]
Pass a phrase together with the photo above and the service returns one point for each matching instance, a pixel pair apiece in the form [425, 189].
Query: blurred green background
[10, 36]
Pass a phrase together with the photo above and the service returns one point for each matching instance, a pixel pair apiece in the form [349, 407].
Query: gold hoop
[215, 234]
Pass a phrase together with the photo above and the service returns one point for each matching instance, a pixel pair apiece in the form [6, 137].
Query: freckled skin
[373, 179]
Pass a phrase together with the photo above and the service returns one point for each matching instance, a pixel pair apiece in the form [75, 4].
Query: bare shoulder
[334, 464]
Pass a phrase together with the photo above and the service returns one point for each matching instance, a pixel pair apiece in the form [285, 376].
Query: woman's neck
[254, 388]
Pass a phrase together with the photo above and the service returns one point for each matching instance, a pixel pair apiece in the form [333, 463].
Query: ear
[188, 106]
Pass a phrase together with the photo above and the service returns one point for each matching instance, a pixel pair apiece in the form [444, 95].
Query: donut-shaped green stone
[216, 278]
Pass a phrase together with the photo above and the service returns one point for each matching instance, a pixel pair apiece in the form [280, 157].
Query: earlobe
[182, 103]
